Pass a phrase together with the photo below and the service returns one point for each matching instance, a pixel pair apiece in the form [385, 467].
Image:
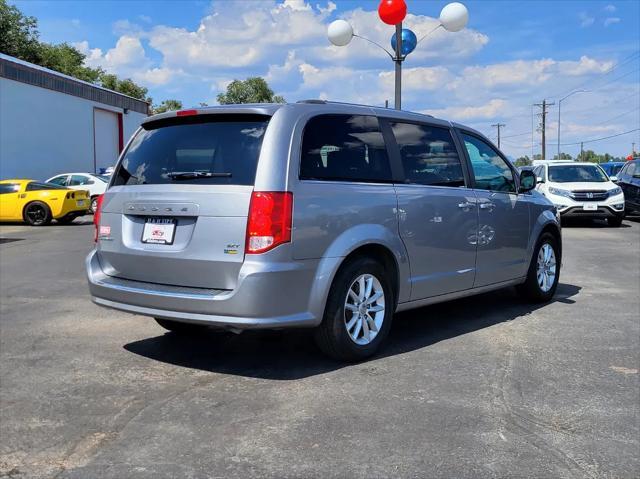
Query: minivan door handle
[465, 206]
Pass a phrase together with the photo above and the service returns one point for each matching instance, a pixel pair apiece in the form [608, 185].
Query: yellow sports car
[38, 203]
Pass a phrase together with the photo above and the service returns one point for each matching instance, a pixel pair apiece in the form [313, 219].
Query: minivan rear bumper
[268, 296]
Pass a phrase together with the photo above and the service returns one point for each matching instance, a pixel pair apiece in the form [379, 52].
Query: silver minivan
[315, 214]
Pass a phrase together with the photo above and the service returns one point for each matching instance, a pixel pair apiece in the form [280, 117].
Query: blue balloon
[409, 42]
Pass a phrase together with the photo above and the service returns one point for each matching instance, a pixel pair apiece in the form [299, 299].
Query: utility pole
[581, 150]
[633, 149]
[543, 126]
[498, 126]
[398, 59]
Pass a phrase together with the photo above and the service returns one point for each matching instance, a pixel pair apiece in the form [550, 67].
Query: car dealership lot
[483, 387]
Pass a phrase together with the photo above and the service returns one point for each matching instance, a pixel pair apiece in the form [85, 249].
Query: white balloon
[454, 17]
[340, 33]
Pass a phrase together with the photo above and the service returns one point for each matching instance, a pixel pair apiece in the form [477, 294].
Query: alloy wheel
[36, 214]
[364, 309]
[546, 270]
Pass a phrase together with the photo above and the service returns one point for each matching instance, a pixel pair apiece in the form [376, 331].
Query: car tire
[615, 221]
[94, 205]
[539, 287]
[349, 335]
[181, 328]
[67, 219]
[37, 213]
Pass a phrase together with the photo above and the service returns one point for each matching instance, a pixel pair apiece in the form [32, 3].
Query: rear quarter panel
[54, 199]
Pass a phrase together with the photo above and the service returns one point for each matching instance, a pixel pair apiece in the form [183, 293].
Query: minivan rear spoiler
[266, 109]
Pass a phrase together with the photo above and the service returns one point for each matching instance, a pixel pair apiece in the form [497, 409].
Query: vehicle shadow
[80, 220]
[292, 354]
[592, 223]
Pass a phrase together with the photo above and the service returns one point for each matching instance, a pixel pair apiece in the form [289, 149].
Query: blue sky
[511, 54]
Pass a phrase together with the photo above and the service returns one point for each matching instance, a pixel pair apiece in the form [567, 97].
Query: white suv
[581, 190]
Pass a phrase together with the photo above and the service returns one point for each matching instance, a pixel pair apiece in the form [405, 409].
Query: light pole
[453, 18]
[559, 108]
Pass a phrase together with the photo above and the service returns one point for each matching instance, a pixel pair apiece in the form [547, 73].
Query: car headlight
[615, 192]
[559, 192]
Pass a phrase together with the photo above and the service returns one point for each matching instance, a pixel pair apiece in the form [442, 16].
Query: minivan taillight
[96, 217]
[269, 222]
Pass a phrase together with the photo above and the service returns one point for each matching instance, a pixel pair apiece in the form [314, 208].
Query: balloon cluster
[453, 18]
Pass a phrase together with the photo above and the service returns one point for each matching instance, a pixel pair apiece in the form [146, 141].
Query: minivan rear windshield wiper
[194, 175]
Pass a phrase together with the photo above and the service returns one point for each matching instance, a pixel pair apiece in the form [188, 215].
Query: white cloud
[127, 59]
[421, 78]
[125, 27]
[585, 66]
[156, 76]
[586, 20]
[610, 8]
[610, 21]
[494, 108]
[240, 34]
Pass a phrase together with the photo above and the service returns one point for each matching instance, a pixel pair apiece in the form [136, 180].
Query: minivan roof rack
[314, 101]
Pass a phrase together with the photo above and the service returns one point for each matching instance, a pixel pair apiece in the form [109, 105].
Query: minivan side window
[491, 172]
[428, 154]
[344, 148]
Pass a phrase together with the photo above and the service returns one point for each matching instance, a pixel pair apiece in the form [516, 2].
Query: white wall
[44, 132]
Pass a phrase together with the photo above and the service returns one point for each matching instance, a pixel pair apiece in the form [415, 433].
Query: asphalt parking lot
[482, 387]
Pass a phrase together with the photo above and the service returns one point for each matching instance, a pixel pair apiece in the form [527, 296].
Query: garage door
[106, 132]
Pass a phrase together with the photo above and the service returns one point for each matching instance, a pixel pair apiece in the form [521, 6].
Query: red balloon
[392, 12]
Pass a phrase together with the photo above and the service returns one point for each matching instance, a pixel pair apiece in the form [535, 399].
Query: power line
[624, 61]
[600, 139]
[616, 79]
[607, 104]
[517, 134]
[618, 116]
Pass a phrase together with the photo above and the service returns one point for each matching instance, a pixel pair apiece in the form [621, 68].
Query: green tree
[251, 90]
[167, 105]
[18, 34]
[19, 38]
[563, 157]
[126, 86]
[68, 60]
[523, 161]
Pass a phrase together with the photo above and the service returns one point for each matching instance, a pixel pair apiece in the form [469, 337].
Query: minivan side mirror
[527, 181]
[539, 179]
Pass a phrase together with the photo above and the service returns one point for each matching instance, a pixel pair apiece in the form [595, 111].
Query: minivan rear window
[344, 148]
[201, 149]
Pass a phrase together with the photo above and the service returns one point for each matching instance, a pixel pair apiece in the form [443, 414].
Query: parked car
[95, 184]
[629, 180]
[611, 168]
[581, 190]
[38, 203]
[315, 214]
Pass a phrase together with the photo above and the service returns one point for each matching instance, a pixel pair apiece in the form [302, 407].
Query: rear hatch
[176, 210]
